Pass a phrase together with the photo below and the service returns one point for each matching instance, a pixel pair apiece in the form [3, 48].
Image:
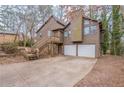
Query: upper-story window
[93, 29]
[86, 22]
[89, 27]
[66, 34]
[50, 33]
[86, 30]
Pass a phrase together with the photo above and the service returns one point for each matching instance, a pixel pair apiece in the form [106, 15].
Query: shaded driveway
[57, 71]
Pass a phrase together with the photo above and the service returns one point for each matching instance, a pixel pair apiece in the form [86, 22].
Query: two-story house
[80, 37]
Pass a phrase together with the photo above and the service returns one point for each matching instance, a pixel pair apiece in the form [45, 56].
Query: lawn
[108, 72]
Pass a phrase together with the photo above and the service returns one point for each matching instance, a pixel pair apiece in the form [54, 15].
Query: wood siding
[87, 39]
[76, 36]
[53, 41]
[51, 25]
[76, 27]
[94, 39]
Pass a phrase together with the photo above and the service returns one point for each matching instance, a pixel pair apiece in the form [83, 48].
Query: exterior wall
[87, 39]
[67, 40]
[94, 39]
[57, 32]
[50, 50]
[4, 38]
[51, 25]
[76, 27]
[75, 35]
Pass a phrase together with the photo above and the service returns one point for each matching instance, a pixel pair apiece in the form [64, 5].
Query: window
[50, 33]
[90, 27]
[93, 29]
[86, 22]
[86, 30]
[65, 34]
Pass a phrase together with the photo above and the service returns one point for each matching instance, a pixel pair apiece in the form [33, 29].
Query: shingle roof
[90, 18]
[48, 21]
[85, 18]
[62, 23]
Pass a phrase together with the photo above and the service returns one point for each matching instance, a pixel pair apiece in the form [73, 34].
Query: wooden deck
[43, 41]
[56, 40]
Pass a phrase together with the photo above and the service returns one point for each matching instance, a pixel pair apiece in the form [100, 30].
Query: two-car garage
[80, 50]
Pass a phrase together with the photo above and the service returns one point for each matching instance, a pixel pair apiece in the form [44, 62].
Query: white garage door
[70, 50]
[86, 50]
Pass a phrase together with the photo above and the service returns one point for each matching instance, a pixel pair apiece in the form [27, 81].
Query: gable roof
[61, 23]
[48, 21]
[84, 18]
[90, 19]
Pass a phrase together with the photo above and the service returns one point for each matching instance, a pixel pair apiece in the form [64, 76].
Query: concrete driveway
[50, 72]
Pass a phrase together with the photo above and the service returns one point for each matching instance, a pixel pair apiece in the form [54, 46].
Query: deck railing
[45, 40]
[56, 39]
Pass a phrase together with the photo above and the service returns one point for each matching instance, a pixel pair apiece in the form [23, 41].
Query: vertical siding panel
[76, 26]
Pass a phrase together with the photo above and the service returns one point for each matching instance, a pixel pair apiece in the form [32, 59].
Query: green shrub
[21, 43]
[28, 43]
[9, 48]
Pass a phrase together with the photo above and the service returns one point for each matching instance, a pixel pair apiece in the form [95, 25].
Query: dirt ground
[10, 60]
[108, 72]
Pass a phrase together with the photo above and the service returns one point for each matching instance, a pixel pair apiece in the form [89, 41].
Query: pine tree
[116, 31]
[105, 19]
[105, 45]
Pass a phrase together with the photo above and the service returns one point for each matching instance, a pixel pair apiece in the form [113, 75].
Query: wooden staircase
[41, 43]
[45, 45]
[47, 40]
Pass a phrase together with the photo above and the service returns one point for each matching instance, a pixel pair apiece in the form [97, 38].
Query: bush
[9, 48]
[21, 43]
[28, 43]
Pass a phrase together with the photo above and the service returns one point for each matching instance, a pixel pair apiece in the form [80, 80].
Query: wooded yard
[108, 72]
[25, 21]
